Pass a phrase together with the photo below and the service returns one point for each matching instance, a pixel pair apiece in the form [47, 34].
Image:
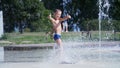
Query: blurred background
[31, 15]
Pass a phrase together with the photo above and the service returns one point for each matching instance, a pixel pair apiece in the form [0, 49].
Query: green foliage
[115, 11]
[31, 12]
[40, 37]
[4, 37]
[116, 25]
[35, 12]
[90, 25]
[52, 4]
[28, 38]
[26, 30]
[94, 25]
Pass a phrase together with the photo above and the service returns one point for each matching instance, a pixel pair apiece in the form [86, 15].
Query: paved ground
[43, 65]
[46, 65]
[50, 45]
[74, 43]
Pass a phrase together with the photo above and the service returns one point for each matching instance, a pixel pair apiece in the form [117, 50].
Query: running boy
[56, 21]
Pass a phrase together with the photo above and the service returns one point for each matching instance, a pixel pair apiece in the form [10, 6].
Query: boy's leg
[57, 39]
[59, 42]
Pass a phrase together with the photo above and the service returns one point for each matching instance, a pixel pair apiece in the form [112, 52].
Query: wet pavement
[42, 56]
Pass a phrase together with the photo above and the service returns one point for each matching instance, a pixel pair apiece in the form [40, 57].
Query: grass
[28, 38]
[40, 37]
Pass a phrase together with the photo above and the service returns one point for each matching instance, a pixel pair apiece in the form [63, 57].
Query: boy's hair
[57, 10]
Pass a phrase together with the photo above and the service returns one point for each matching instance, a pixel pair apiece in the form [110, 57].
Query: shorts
[57, 36]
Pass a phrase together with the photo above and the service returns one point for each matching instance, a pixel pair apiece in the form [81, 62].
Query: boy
[56, 21]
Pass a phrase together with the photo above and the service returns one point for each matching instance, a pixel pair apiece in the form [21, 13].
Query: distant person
[78, 27]
[21, 26]
[56, 21]
[74, 27]
[16, 27]
[65, 26]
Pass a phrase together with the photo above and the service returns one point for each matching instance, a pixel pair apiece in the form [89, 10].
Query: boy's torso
[57, 26]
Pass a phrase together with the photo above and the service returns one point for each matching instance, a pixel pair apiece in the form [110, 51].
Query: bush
[90, 25]
[26, 30]
[105, 26]
[4, 37]
[116, 24]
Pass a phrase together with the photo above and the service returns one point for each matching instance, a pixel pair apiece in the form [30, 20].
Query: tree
[30, 12]
[116, 10]
[35, 12]
[53, 4]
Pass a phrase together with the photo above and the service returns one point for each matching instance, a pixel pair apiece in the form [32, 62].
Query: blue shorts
[57, 36]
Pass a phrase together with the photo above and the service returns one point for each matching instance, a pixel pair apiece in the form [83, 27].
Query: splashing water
[75, 52]
[1, 24]
[104, 7]
[65, 6]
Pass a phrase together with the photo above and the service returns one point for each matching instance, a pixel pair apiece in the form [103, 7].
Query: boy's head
[57, 13]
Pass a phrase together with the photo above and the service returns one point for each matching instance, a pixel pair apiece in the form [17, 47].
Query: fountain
[1, 23]
[65, 6]
[85, 54]
[1, 54]
[104, 6]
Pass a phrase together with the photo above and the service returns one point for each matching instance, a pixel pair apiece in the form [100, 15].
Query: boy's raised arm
[51, 19]
[65, 18]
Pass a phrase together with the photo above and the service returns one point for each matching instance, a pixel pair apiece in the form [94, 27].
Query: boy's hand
[49, 16]
[68, 16]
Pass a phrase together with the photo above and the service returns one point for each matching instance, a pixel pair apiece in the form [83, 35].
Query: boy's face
[57, 14]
